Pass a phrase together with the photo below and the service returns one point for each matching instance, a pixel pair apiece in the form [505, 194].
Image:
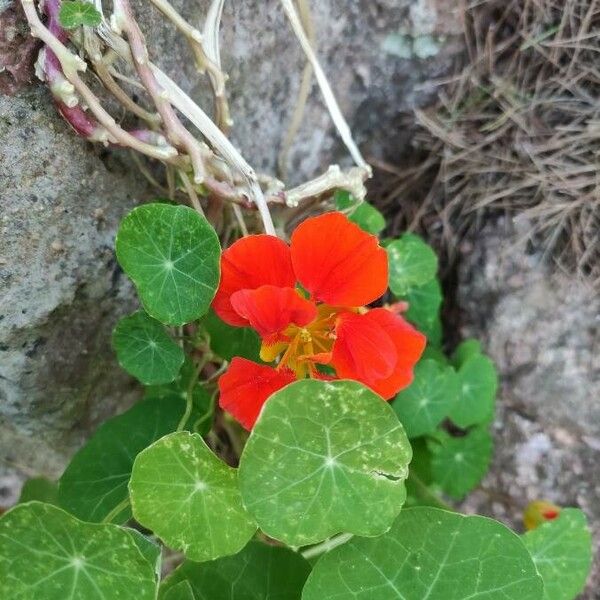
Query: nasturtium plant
[189, 498]
[302, 300]
[324, 458]
[258, 572]
[303, 434]
[74, 13]
[424, 303]
[187, 389]
[420, 478]
[428, 400]
[149, 548]
[433, 554]
[40, 489]
[561, 549]
[145, 350]
[412, 263]
[180, 591]
[171, 254]
[94, 484]
[465, 350]
[46, 553]
[478, 384]
[365, 215]
[460, 462]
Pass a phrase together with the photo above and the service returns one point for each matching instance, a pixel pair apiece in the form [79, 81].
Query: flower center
[302, 348]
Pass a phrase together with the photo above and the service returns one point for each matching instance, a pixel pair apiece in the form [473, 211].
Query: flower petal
[271, 309]
[351, 351]
[246, 386]
[410, 345]
[249, 263]
[363, 350]
[337, 262]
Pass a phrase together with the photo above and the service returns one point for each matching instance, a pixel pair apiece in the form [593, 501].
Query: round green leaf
[419, 475]
[149, 549]
[434, 353]
[365, 215]
[181, 591]
[228, 341]
[172, 255]
[324, 457]
[189, 498]
[562, 552]
[258, 572]
[145, 350]
[423, 312]
[465, 350]
[47, 554]
[95, 482]
[41, 489]
[435, 333]
[460, 463]
[412, 263]
[423, 405]
[478, 383]
[368, 218]
[74, 13]
[429, 554]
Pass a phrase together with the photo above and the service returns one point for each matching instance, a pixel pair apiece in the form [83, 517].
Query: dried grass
[517, 130]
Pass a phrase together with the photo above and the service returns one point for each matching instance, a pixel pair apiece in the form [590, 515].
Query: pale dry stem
[71, 64]
[220, 169]
[176, 133]
[203, 62]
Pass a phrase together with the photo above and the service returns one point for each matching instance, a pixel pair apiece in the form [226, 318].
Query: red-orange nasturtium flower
[340, 269]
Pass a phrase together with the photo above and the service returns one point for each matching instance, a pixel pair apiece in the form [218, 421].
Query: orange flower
[306, 301]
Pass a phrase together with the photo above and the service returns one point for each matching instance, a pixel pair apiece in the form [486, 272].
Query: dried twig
[303, 92]
[328, 95]
[71, 64]
[219, 171]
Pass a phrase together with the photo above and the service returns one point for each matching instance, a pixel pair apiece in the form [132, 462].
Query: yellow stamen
[300, 344]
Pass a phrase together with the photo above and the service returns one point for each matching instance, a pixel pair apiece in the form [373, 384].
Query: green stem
[208, 415]
[236, 443]
[189, 398]
[118, 509]
[434, 499]
[327, 545]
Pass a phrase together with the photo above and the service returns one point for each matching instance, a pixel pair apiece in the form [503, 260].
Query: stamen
[300, 344]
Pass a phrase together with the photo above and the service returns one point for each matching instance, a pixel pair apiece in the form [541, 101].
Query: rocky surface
[60, 288]
[61, 199]
[542, 327]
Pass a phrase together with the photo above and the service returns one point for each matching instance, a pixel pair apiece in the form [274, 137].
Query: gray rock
[61, 290]
[376, 88]
[61, 199]
[542, 328]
